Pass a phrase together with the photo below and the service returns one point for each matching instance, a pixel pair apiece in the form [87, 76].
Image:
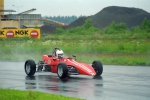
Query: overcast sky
[71, 7]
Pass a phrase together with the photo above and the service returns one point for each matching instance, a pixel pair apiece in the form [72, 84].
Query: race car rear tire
[30, 67]
[98, 67]
[62, 70]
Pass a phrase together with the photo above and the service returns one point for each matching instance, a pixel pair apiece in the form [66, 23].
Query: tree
[116, 28]
[88, 23]
[146, 25]
[59, 30]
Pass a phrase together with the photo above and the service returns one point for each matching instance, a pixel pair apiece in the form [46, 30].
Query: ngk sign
[9, 34]
[34, 34]
[12, 33]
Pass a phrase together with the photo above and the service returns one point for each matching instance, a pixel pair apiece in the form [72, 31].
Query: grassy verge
[118, 49]
[9, 94]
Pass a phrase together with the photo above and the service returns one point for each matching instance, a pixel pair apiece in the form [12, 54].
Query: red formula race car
[63, 66]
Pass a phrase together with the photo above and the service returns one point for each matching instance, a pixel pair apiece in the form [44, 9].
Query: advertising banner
[12, 33]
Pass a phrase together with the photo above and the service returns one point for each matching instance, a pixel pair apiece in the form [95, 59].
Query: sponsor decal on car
[49, 62]
[82, 66]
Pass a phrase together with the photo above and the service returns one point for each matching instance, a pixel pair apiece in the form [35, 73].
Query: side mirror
[74, 56]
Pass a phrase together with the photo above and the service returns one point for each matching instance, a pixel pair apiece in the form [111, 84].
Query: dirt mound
[131, 16]
[79, 22]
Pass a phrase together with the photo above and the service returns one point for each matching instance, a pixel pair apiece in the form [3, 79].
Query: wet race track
[116, 82]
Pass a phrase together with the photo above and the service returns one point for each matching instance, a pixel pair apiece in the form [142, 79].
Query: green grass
[11, 94]
[118, 49]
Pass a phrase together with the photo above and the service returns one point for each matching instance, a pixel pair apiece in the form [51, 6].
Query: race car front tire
[62, 70]
[30, 67]
[98, 67]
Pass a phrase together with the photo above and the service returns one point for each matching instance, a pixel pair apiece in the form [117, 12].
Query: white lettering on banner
[34, 33]
[10, 34]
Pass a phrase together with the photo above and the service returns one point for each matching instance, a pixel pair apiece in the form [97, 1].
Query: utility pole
[17, 7]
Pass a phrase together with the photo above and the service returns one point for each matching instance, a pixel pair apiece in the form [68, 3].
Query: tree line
[64, 19]
[113, 28]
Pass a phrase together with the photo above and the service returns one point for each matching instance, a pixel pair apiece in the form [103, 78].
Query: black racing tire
[98, 67]
[62, 70]
[30, 67]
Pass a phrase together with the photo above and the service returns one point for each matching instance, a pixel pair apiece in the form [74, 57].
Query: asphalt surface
[116, 82]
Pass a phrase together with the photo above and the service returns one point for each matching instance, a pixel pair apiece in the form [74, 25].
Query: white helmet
[59, 53]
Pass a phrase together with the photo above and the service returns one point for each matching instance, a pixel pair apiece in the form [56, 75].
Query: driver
[59, 53]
